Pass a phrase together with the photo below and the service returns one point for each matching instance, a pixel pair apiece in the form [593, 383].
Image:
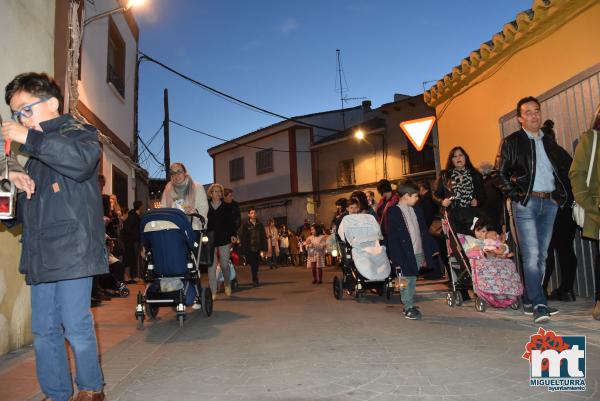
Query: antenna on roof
[341, 85]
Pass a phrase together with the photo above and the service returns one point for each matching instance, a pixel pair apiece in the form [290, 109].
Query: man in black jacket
[63, 233]
[530, 173]
[254, 242]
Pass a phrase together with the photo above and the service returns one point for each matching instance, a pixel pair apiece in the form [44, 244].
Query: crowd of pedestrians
[88, 235]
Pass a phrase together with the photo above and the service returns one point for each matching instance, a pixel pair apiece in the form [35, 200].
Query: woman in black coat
[460, 189]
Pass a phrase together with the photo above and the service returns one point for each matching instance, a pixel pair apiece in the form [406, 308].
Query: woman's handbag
[207, 248]
[436, 228]
[578, 211]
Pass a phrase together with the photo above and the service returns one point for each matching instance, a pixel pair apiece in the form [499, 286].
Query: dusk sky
[281, 56]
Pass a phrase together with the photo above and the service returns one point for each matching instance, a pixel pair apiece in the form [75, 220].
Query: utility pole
[166, 132]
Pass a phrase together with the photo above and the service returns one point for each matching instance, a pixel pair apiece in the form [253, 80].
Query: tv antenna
[341, 85]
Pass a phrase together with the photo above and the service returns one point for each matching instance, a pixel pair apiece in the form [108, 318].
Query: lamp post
[360, 135]
[130, 4]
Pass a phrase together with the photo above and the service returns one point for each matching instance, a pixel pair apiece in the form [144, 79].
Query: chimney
[399, 96]
[366, 105]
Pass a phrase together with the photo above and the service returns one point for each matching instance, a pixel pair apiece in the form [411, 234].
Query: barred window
[236, 169]
[345, 174]
[264, 161]
[115, 68]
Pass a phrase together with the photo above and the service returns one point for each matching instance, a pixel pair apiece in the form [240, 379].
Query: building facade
[551, 52]
[273, 169]
[345, 163]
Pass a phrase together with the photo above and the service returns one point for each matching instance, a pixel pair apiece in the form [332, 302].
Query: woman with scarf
[460, 189]
[185, 194]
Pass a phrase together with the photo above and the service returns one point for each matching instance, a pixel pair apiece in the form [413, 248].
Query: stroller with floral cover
[495, 281]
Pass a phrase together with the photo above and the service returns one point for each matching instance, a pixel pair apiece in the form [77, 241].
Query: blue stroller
[172, 265]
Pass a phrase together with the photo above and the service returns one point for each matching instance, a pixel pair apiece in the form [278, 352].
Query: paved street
[291, 340]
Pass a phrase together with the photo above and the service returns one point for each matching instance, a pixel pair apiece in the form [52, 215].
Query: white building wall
[94, 91]
[109, 159]
[254, 186]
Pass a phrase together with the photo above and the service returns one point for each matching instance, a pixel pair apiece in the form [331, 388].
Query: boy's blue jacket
[399, 244]
[63, 225]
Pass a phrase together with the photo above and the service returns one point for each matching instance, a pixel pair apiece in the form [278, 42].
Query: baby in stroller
[485, 242]
[494, 274]
[366, 265]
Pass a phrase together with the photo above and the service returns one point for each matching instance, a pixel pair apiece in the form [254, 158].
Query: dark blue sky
[281, 56]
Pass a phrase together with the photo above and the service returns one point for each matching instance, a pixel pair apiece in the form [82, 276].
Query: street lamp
[130, 4]
[360, 135]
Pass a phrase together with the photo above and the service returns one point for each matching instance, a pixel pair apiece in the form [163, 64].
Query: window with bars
[345, 174]
[264, 161]
[236, 169]
[115, 69]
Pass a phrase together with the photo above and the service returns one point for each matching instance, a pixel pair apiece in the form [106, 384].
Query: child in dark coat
[410, 246]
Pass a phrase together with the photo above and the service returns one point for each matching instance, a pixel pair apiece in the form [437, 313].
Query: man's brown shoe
[596, 312]
[86, 395]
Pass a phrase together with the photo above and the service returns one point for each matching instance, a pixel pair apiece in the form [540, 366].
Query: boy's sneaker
[552, 311]
[412, 314]
[528, 309]
[541, 314]
[196, 306]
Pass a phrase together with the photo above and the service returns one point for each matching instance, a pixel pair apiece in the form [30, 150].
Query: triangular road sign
[418, 130]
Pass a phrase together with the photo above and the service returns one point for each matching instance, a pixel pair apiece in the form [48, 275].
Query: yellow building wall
[31, 24]
[471, 119]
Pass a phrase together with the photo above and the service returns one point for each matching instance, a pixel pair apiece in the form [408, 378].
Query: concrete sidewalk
[291, 340]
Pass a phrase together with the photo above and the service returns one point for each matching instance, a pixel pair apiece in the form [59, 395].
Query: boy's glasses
[26, 111]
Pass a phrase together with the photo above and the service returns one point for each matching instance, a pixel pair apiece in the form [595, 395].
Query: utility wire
[235, 142]
[234, 99]
[149, 151]
[153, 137]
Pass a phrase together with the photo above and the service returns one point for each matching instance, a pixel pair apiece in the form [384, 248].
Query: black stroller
[172, 265]
[365, 264]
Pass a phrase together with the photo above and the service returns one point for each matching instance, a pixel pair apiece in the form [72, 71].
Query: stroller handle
[198, 216]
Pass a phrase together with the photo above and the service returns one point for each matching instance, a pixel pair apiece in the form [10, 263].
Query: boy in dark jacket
[63, 233]
[409, 244]
[254, 242]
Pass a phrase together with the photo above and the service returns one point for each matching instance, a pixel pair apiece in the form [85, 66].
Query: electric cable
[235, 142]
[234, 99]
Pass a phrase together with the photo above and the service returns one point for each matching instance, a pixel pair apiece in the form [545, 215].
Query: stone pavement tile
[330, 389]
[432, 390]
[380, 387]
[362, 394]
[406, 390]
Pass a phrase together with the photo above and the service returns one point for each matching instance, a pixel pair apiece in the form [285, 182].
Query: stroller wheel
[151, 311]
[458, 298]
[450, 299]
[516, 305]
[140, 322]
[338, 288]
[388, 292]
[480, 305]
[207, 301]
[235, 284]
[181, 318]
[124, 292]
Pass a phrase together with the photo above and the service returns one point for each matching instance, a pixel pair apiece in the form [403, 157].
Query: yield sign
[418, 130]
